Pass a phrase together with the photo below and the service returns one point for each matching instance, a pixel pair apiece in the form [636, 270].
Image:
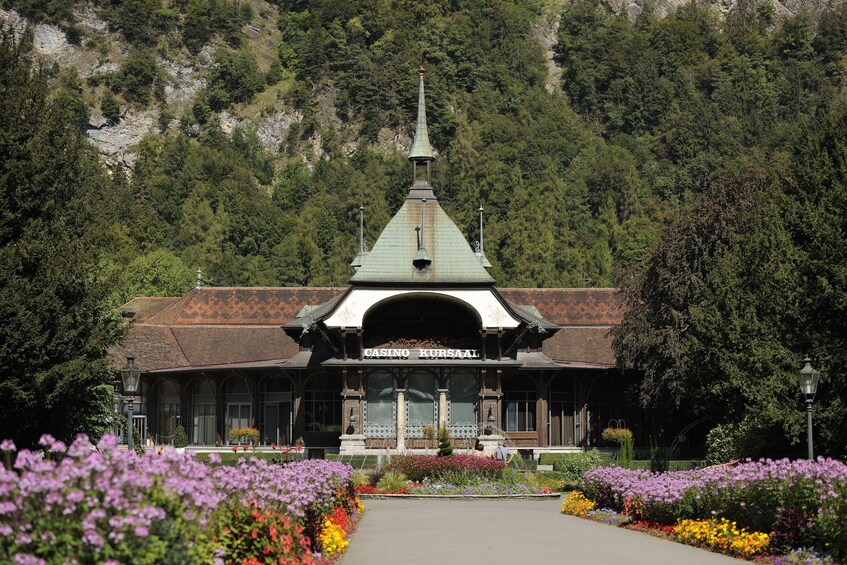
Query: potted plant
[246, 436]
[180, 439]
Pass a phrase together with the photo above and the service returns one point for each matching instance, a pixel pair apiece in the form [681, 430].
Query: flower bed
[799, 503]
[81, 504]
[417, 468]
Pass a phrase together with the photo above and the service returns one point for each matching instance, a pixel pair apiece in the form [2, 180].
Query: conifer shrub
[445, 443]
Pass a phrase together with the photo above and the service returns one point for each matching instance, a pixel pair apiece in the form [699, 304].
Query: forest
[695, 160]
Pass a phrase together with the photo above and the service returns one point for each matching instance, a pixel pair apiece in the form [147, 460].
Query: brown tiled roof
[146, 307]
[581, 345]
[239, 326]
[242, 306]
[571, 306]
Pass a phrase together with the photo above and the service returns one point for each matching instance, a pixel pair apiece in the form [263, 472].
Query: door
[278, 416]
[238, 416]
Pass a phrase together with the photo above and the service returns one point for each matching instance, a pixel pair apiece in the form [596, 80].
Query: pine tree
[54, 376]
[445, 444]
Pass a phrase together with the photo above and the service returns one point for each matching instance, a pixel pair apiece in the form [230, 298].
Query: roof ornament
[421, 151]
[480, 253]
[422, 260]
[199, 279]
[360, 258]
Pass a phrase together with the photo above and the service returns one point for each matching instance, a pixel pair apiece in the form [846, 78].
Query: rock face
[115, 142]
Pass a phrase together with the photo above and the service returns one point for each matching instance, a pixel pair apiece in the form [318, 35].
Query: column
[442, 408]
[401, 419]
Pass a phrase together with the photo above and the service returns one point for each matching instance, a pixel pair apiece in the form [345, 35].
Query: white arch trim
[350, 313]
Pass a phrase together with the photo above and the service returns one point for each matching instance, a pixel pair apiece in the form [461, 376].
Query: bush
[574, 465]
[420, 467]
[392, 481]
[445, 444]
[246, 435]
[180, 437]
[622, 437]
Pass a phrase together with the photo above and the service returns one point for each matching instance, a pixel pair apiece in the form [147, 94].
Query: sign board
[386, 353]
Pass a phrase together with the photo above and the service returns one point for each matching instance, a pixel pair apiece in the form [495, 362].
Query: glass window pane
[380, 398]
[420, 394]
[463, 396]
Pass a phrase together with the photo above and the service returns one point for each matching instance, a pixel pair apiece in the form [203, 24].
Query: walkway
[523, 532]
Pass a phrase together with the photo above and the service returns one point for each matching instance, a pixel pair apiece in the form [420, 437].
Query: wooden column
[401, 419]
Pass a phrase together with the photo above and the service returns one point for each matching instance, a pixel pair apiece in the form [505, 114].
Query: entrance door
[561, 417]
[277, 423]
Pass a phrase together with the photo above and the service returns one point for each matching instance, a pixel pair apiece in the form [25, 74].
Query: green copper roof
[421, 149]
[452, 259]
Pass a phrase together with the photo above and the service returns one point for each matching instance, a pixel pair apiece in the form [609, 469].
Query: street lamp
[808, 381]
[130, 375]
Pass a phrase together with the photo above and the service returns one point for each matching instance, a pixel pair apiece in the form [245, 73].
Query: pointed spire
[360, 258]
[481, 249]
[421, 149]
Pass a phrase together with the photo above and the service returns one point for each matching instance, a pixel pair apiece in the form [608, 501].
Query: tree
[54, 376]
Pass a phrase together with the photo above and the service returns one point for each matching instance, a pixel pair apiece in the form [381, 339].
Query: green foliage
[234, 78]
[110, 108]
[56, 327]
[137, 75]
[574, 465]
[658, 453]
[445, 443]
[180, 437]
[623, 437]
[392, 481]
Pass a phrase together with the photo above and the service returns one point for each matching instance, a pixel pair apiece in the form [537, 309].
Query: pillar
[442, 408]
[401, 419]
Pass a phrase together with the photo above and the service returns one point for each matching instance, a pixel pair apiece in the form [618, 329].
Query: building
[421, 337]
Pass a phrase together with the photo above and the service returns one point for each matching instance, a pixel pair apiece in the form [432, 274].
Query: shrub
[445, 444]
[574, 465]
[180, 437]
[247, 434]
[392, 481]
[247, 532]
[420, 467]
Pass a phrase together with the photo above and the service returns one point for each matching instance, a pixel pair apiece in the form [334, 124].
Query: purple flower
[7, 445]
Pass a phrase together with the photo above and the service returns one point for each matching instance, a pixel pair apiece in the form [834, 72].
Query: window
[464, 397]
[201, 412]
[421, 402]
[277, 411]
[519, 397]
[379, 404]
[167, 413]
[322, 403]
[238, 404]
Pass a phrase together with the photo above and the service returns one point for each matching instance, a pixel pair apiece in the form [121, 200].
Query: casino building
[420, 337]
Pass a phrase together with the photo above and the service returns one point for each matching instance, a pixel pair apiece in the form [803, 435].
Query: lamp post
[130, 375]
[808, 381]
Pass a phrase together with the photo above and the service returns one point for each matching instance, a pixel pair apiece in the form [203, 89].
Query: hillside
[243, 135]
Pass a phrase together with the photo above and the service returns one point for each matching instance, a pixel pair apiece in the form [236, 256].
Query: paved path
[522, 532]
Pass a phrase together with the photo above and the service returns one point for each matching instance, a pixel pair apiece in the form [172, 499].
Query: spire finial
[199, 279]
[421, 149]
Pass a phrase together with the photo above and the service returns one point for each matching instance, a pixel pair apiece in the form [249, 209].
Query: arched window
[519, 397]
[238, 404]
[421, 403]
[167, 412]
[277, 410]
[463, 404]
[379, 404]
[201, 412]
[322, 403]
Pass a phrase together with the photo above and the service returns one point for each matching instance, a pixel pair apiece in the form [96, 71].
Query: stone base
[490, 442]
[352, 444]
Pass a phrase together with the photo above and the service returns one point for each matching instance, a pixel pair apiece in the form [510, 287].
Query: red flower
[254, 534]
[234, 448]
[298, 447]
[273, 446]
[244, 447]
